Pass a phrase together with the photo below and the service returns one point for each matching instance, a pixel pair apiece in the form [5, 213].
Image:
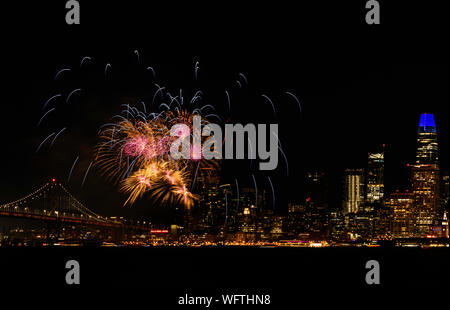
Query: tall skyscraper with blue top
[427, 143]
[425, 179]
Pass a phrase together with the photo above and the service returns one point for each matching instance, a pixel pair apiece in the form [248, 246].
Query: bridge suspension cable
[40, 192]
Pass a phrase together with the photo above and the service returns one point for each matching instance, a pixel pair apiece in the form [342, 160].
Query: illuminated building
[444, 204]
[337, 223]
[425, 186]
[229, 205]
[353, 190]
[427, 144]
[316, 190]
[359, 225]
[375, 178]
[295, 207]
[402, 205]
[264, 225]
[297, 221]
[425, 178]
[445, 224]
[383, 216]
[209, 214]
[445, 190]
[318, 224]
[277, 226]
[247, 215]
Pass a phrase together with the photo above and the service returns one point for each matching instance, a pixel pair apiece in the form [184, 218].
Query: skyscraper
[425, 187]
[353, 190]
[375, 178]
[401, 204]
[316, 190]
[425, 178]
[445, 190]
[427, 144]
[203, 218]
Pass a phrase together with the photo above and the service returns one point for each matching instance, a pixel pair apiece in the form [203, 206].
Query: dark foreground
[283, 272]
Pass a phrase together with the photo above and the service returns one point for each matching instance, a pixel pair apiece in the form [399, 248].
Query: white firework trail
[228, 100]
[296, 99]
[61, 71]
[51, 98]
[160, 89]
[85, 175]
[195, 176]
[271, 103]
[108, 65]
[196, 70]
[83, 60]
[45, 115]
[71, 93]
[244, 77]
[256, 190]
[153, 71]
[145, 109]
[273, 193]
[48, 137]
[56, 136]
[71, 169]
[282, 153]
[137, 55]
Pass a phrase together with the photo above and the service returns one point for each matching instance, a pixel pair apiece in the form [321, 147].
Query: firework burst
[134, 152]
[133, 147]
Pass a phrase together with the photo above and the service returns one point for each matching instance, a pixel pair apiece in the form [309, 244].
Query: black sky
[360, 86]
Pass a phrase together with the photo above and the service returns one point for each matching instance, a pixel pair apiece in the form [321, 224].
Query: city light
[224, 215]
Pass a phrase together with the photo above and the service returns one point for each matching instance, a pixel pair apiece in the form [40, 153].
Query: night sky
[360, 86]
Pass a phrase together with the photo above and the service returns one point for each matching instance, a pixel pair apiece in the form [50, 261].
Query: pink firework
[196, 152]
[136, 146]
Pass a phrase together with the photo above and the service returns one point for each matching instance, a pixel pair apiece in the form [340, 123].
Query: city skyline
[368, 213]
[332, 122]
[353, 100]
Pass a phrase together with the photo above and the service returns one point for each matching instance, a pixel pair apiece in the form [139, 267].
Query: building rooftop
[427, 121]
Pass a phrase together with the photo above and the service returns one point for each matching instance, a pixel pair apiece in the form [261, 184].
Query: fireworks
[135, 153]
[133, 149]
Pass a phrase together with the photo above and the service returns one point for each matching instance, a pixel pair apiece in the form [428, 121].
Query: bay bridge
[57, 214]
